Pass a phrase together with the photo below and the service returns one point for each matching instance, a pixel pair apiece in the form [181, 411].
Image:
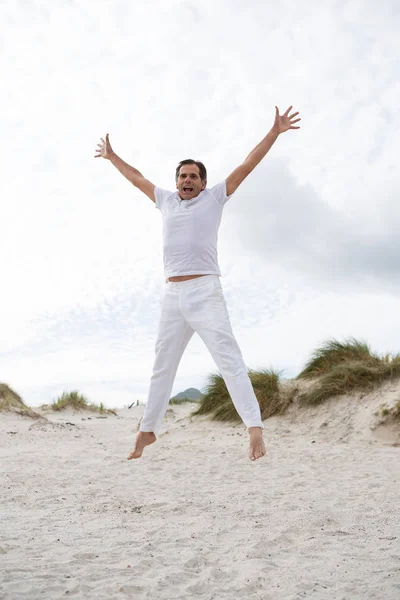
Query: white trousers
[189, 306]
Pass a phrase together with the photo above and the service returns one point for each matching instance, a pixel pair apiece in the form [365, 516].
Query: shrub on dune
[11, 401]
[215, 395]
[72, 399]
[271, 397]
[78, 401]
[345, 377]
[217, 401]
[8, 397]
[333, 353]
[177, 401]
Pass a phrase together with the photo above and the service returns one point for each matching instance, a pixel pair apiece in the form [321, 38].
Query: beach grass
[215, 395]
[272, 399]
[12, 402]
[177, 401]
[333, 353]
[78, 401]
[342, 368]
[335, 368]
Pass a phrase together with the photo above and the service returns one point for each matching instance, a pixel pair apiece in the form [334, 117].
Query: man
[194, 299]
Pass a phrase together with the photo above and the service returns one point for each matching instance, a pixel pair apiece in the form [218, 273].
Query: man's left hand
[284, 122]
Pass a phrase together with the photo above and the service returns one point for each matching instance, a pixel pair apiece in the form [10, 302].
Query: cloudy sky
[309, 245]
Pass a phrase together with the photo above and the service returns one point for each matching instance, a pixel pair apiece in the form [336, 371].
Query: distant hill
[190, 394]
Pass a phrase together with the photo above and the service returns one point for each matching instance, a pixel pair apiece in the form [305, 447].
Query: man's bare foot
[257, 447]
[143, 439]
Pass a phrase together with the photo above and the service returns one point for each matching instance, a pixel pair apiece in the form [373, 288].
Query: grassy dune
[341, 368]
[334, 369]
[77, 401]
[10, 401]
[332, 353]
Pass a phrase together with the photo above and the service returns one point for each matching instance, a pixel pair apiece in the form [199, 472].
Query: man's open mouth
[188, 189]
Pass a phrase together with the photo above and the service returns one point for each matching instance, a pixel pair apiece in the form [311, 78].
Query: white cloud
[290, 226]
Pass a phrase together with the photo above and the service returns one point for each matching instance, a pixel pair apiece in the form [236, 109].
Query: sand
[317, 518]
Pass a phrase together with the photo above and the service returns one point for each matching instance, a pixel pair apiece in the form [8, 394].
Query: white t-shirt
[190, 230]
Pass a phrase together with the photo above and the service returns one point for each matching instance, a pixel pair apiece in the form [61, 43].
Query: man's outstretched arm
[104, 150]
[281, 124]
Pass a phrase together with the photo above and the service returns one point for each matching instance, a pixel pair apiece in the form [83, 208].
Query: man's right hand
[104, 149]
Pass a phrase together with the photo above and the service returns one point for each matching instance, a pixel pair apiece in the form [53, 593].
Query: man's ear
[203, 185]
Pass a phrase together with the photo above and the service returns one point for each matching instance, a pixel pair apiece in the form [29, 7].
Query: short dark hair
[189, 161]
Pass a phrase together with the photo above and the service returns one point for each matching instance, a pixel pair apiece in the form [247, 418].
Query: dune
[359, 416]
[12, 403]
[194, 518]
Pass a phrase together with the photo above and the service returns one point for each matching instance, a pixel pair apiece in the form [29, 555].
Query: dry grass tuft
[215, 395]
[268, 392]
[217, 401]
[176, 401]
[77, 401]
[344, 378]
[10, 401]
[333, 353]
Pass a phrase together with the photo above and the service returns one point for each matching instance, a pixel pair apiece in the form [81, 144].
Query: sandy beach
[317, 518]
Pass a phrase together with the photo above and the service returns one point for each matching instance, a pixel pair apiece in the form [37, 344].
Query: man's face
[189, 184]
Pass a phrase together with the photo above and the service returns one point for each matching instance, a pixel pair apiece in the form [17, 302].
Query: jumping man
[194, 299]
